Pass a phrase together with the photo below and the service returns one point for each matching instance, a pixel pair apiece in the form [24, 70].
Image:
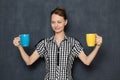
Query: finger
[17, 39]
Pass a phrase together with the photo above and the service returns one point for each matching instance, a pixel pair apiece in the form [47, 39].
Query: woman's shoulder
[45, 40]
[73, 39]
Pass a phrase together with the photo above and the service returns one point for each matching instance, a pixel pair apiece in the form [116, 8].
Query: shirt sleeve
[40, 47]
[77, 48]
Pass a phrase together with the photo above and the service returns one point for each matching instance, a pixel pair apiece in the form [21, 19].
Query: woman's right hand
[16, 41]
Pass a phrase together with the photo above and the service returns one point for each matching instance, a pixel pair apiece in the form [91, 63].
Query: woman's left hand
[98, 40]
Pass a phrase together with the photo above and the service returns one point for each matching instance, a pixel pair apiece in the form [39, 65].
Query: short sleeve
[40, 47]
[77, 48]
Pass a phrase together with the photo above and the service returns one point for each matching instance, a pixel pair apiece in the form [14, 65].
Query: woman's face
[58, 23]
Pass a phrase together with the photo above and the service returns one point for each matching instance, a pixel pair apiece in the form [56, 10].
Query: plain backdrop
[84, 16]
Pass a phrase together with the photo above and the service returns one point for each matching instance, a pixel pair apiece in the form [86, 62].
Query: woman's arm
[29, 60]
[88, 59]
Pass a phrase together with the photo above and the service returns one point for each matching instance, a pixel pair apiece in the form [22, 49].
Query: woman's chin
[58, 31]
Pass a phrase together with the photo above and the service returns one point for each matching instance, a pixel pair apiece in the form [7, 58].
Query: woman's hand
[16, 41]
[98, 40]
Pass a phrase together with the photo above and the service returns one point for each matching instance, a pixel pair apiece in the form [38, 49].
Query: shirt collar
[52, 38]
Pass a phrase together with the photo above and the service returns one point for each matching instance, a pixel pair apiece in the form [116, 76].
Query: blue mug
[24, 40]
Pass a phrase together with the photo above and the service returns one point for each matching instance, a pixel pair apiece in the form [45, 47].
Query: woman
[59, 50]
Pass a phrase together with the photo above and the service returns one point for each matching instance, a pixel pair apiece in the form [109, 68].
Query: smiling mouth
[57, 28]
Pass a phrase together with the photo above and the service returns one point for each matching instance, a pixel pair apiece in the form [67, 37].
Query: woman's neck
[59, 37]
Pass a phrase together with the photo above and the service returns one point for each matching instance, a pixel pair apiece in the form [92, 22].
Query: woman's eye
[52, 22]
[59, 22]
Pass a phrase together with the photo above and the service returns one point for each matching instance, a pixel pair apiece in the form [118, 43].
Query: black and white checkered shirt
[59, 59]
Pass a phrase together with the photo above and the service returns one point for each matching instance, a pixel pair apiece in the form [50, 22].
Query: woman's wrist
[19, 46]
[98, 45]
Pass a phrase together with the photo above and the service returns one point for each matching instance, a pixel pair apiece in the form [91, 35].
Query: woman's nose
[56, 24]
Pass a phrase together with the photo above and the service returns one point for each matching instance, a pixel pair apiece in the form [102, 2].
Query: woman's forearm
[24, 55]
[92, 55]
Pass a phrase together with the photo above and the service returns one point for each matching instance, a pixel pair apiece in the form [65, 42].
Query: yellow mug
[91, 39]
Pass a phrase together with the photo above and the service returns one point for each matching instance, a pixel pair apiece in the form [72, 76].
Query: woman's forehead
[56, 17]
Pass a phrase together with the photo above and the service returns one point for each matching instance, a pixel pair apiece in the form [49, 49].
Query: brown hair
[59, 11]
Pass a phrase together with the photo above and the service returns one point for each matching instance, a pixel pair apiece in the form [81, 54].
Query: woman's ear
[66, 21]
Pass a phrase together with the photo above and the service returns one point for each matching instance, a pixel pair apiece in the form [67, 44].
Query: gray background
[85, 16]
